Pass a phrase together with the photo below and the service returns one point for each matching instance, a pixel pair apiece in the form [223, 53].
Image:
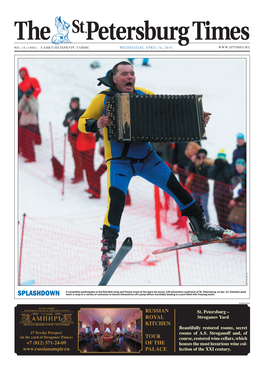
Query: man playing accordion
[131, 158]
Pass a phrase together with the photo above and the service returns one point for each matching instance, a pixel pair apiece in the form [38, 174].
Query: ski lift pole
[157, 211]
[52, 150]
[64, 160]
[21, 246]
[178, 267]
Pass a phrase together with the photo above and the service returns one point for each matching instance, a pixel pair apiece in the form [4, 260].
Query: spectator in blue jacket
[237, 217]
[239, 153]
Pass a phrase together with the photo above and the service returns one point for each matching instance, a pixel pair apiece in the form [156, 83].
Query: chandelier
[107, 319]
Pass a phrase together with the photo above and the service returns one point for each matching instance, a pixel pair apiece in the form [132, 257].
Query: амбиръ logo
[63, 32]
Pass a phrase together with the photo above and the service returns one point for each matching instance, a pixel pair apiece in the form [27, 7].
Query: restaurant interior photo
[110, 330]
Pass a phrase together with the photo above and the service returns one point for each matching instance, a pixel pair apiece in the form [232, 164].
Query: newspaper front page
[189, 75]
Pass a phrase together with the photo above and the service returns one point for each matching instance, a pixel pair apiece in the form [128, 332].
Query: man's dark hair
[115, 68]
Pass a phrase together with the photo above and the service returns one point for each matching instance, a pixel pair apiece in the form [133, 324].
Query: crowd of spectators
[195, 169]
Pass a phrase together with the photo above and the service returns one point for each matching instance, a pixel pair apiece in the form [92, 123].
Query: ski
[120, 255]
[236, 236]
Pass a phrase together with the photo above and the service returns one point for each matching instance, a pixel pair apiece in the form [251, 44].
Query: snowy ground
[221, 81]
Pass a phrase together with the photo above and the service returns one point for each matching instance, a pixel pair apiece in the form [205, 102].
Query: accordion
[155, 118]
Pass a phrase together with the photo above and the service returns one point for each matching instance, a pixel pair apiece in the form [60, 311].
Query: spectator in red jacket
[27, 83]
[85, 145]
[32, 85]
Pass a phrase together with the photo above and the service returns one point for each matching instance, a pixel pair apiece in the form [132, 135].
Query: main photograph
[150, 149]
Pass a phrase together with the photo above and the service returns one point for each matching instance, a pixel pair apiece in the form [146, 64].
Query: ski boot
[201, 230]
[108, 249]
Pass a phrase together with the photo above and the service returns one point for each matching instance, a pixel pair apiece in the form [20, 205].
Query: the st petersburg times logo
[63, 32]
